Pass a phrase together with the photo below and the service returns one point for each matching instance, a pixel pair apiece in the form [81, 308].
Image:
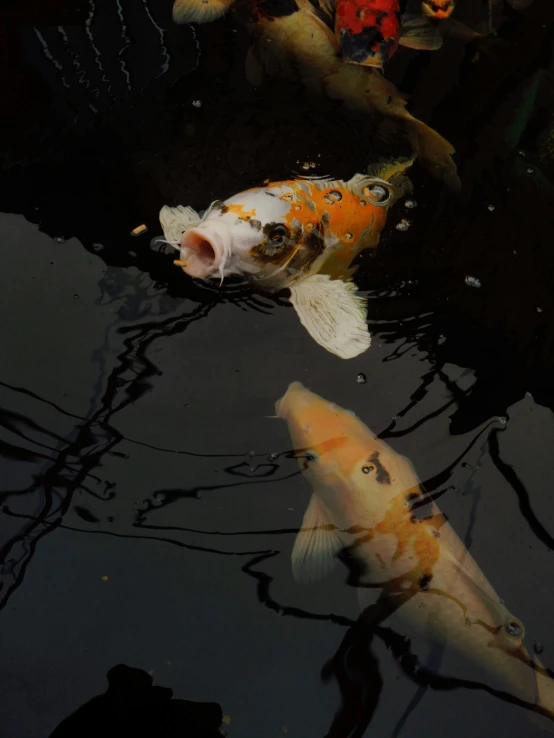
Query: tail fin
[435, 152]
[199, 11]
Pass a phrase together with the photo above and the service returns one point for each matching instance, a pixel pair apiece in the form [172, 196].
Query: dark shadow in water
[132, 706]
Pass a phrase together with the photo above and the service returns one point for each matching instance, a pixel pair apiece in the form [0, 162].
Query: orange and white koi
[298, 234]
[366, 499]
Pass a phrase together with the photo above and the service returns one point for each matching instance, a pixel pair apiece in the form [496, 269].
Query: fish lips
[203, 249]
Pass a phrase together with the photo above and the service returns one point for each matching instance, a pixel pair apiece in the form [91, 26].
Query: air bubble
[491, 208]
[361, 378]
[197, 103]
[410, 204]
[348, 236]
[502, 420]
[403, 225]
[530, 170]
[538, 648]
[472, 281]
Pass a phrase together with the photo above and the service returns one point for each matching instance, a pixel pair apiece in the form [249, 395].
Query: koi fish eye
[514, 629]
[278, 234]
[380, 194]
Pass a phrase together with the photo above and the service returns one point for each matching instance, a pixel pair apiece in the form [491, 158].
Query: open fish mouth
[202, 253]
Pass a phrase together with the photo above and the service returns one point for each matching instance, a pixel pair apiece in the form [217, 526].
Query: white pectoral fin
[316, 545]
[333, 314]
[176, 220]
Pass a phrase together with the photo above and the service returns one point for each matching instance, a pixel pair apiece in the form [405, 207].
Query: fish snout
[282, 405]
[204, 250]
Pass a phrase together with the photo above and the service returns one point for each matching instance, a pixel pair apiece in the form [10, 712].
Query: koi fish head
[357, 474]
[368, 32]
[438, 9]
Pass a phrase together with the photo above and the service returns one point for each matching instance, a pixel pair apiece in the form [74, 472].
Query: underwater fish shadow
[133, 706]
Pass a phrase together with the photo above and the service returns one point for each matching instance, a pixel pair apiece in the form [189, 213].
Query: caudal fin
[199, 11]
[434, 152]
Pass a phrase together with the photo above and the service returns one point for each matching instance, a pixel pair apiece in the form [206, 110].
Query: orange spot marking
[417, 535]
[347, 218]
[239, 210]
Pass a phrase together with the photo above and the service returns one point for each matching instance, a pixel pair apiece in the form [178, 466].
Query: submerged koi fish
[370, 31]
[301, 44]
[298, 234]
[365, 498]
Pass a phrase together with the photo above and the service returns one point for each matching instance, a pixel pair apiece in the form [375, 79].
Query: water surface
[149, 506]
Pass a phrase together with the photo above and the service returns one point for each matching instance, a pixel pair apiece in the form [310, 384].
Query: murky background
[148, 507]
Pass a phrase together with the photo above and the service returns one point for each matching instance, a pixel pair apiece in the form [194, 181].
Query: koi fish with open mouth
[300, 234]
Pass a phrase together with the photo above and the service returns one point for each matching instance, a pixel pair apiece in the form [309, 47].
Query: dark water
[149, 507]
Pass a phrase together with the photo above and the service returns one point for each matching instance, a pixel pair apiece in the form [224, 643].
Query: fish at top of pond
[370, 31]
[438, 9]
[300, 44]
[366, 498]
[300, 234]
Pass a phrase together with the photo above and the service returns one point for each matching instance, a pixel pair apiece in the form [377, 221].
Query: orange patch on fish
[343, 213]
[409, 532]
[239, 210]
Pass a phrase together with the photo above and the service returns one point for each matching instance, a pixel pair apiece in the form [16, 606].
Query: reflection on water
[135, 401]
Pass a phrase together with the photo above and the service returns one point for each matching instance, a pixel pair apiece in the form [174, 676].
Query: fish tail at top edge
[435, 153]
[199, 11]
